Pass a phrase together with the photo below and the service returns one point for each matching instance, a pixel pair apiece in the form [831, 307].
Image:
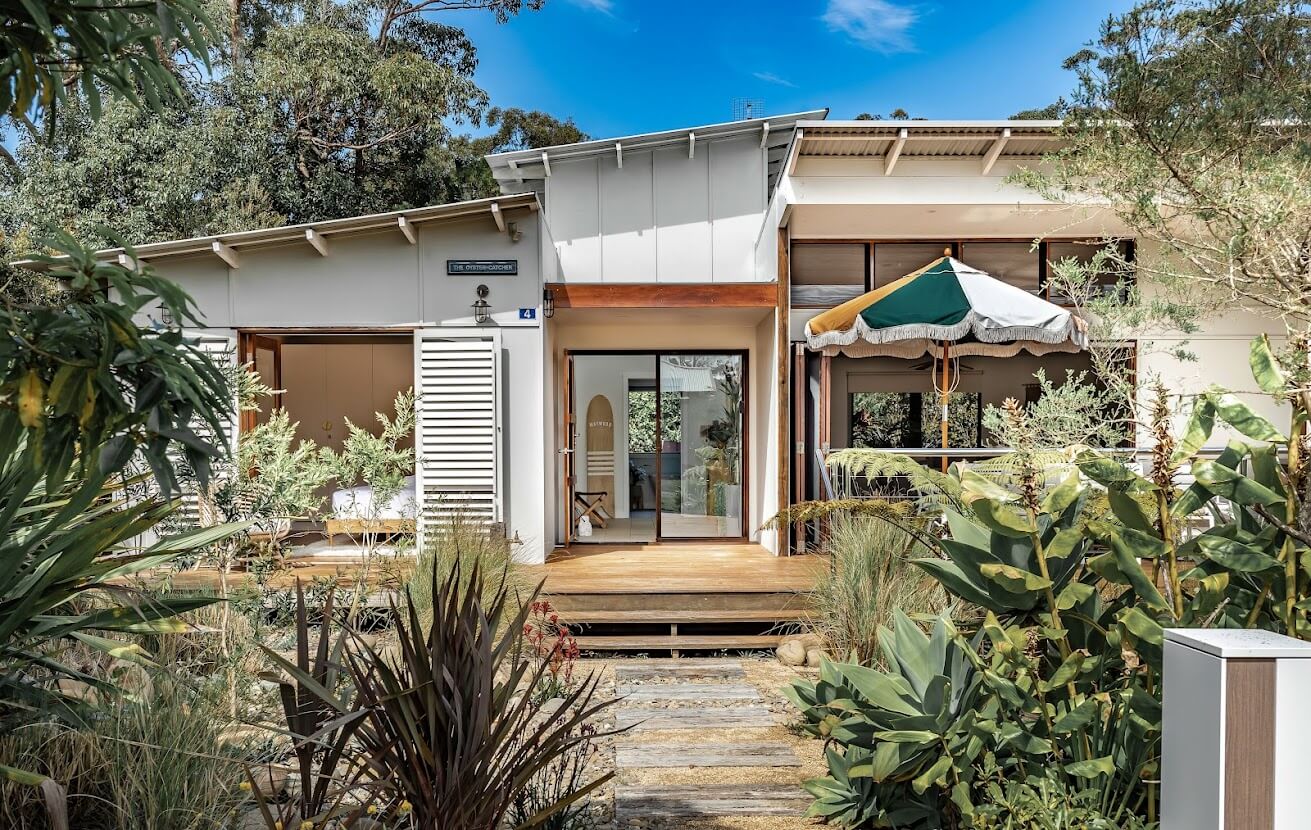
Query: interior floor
[637, 526]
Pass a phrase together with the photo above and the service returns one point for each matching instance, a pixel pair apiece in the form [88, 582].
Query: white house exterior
[669, 272]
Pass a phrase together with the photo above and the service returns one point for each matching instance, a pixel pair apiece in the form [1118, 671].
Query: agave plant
[898, 733]
[447, 719]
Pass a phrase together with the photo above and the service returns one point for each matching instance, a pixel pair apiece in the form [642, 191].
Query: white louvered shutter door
[223, 351]
[458, 429]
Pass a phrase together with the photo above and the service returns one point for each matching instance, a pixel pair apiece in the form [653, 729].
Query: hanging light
[548, 302]
[481, 307]
[165, 315]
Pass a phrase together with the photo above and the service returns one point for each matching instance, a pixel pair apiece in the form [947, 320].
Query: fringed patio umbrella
[947, 310]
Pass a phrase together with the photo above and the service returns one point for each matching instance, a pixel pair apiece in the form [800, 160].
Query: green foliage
[1066, 414]
[82, 383]
[1066, 665]
[162, 760]
[333, 109]
[902, 735]
[458, 548]
[1200, 151]
[446, 721]
[869, 576]
[55, 46]
[331, 788]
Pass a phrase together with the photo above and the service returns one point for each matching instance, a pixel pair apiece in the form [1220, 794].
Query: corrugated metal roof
[519, 167]
[299, 233]
[934, 139]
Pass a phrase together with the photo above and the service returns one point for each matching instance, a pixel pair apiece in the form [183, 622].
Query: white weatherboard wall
[379, 280]
[662, 216]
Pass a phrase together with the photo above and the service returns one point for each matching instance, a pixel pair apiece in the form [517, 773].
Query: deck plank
[687, 691]
[647, 718]
[656, 756]
[709, 800]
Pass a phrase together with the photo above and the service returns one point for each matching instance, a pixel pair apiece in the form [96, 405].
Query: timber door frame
[248, 343]
[569, 448]
[656, 354]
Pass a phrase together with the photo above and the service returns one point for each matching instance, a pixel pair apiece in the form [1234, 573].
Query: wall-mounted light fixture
[548, 302]
[481, 306]
[165, 315]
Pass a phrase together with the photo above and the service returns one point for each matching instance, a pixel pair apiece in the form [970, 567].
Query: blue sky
[627, 66]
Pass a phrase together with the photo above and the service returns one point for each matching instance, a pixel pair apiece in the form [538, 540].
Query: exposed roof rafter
[227, 254]
[994, 152]
[691, 145]
[317, 241]
[619, 154]
[499, 218]
[894, 152]
[407, 228]
[546, 164]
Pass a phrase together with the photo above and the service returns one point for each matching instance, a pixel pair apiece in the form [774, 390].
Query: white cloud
[881, 25]
[602, 6]
[771, 78]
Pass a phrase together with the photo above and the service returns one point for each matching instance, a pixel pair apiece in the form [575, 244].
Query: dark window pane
[1015, 263]
[894, 260]
[1083, 252]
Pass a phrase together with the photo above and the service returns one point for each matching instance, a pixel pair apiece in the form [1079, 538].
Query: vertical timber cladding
[457, 437]
[1249, 745]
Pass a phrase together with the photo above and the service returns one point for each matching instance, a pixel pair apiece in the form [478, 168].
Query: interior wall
[607, 375]
[326, 383]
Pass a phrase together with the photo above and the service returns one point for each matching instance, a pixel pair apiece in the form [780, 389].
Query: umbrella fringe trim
[860, 330]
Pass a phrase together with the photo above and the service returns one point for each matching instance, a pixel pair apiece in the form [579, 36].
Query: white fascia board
[644, 141]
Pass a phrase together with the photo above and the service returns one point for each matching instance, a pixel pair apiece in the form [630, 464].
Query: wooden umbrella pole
[943, 394]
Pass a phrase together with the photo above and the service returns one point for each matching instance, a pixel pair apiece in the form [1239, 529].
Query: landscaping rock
[791, 653]
[792, 650]
[814, 656]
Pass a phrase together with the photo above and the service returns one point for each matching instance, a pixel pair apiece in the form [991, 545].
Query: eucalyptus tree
[1191, 122]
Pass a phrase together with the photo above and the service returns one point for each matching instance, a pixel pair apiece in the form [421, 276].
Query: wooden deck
[667, 597]
[683, 567]
[674, 597]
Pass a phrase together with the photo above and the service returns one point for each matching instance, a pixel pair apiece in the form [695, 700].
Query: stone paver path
[704, 745]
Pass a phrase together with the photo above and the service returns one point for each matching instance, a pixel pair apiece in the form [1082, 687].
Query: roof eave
[284, 234]
[499, 161]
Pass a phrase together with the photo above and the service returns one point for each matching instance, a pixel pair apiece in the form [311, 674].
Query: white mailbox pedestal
[1237, 731]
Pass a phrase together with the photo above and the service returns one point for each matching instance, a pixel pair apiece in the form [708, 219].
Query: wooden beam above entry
[665, 295]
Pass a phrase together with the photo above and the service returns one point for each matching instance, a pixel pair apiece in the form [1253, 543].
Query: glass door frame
[656, 355]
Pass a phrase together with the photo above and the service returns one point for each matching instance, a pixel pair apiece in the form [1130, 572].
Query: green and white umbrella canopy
[949, 302]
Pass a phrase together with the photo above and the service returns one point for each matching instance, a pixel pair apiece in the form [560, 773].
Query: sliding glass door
[701, 409]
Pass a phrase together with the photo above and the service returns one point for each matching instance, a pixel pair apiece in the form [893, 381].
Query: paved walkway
[704, 747]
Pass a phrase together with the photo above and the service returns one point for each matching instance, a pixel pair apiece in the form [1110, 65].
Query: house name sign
[482, 266]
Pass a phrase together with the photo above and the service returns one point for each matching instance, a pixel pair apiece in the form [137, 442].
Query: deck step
[709, 800]
[635, 755]
[655, 600]
[700, 718]
[689, 642]
[683, 615]
[634, 692]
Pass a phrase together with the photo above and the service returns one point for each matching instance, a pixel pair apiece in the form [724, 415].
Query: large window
[825, 274]
[913, 420]
[894, 260]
